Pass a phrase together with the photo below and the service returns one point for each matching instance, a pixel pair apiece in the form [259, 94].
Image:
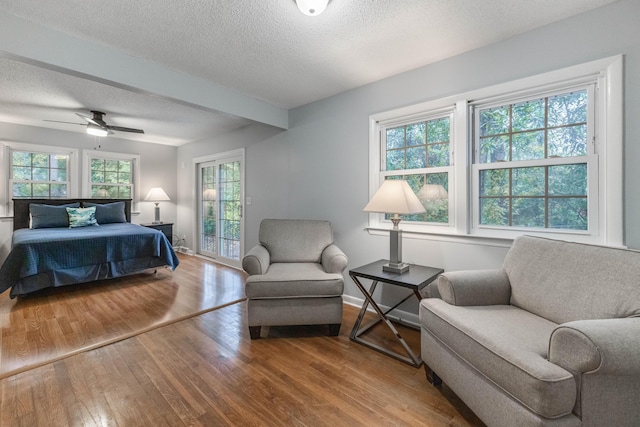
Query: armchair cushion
[294, 280]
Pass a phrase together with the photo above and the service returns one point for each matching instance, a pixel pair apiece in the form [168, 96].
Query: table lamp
[395, 197]
[157, 195]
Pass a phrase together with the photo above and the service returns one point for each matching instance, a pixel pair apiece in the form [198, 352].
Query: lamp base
[398, 268]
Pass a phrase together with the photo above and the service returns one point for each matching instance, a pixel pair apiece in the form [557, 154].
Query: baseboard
[404, 316]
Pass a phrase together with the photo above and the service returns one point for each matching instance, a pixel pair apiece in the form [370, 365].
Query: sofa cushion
[600, 282]
[294, 280]
[509, 346]
[295, 240]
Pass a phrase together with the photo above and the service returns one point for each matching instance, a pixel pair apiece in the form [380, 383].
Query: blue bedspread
[61, 256]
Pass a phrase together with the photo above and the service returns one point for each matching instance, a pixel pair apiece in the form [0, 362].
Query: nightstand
[165, 227]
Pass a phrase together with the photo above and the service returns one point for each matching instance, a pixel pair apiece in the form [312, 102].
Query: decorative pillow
[82, 217]
[50, 216]
[108, 213]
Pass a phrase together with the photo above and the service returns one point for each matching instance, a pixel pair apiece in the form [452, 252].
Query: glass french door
[220, 221]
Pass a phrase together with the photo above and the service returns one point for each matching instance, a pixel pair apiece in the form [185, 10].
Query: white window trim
[6, 207]
[86, 173]
[609, 74]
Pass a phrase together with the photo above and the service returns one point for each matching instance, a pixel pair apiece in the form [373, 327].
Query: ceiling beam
[35, 44]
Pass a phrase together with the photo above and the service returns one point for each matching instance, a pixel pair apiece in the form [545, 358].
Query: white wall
[319, 167]
[157, 167]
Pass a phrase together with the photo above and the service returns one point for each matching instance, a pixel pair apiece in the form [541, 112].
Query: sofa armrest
[606, 346]
[334, 260]
[257, 260]
[475, 287]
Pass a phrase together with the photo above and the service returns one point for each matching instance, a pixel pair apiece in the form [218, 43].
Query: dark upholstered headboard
[21, 208]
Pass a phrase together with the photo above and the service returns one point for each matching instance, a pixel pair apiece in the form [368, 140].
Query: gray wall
[319, 167]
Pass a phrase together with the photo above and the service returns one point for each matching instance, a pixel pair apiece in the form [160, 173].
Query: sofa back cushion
[295, 240]
[563, 281]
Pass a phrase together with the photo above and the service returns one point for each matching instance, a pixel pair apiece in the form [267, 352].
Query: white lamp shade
[432, 192]
[157, 194]
[395, 197]
[312, 7]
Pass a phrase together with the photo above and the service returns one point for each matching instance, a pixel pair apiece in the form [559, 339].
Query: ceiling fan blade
[122, 129]
[91, 120]
[69, 123]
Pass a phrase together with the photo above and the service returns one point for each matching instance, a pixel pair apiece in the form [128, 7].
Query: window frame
[89, 155]
[606, 162]
[7, 147]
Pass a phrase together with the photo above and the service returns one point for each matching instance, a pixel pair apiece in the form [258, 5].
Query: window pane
[568, 141]
[111, 177]
[124, 166]
[528, 115]
[567, 109]
[494, 182]
[111, 165]
[395, 160]
[435, 198]
[59, 190]
[22, 172]
[438, 130]
[494, 149]
[568, 213]
[21, 189]
[40, 174]
[568, 180]
[395, 138]
[528, 145]
[21, 158]
[416, 157]
[494, 211]
[416, 134]
[438, 155]
[40, 160]
[125, 192]
[58, 175]
[40, 190]
[494, 121]
[528, 212]
[528, 181]
[124, 178]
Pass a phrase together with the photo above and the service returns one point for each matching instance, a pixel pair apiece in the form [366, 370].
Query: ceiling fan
[97, 126]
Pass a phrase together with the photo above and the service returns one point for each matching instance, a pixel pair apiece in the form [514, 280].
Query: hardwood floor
[205, 370]
[54, 323]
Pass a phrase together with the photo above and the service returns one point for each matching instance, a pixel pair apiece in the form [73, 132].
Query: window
[111, 176]
[420, 152]
[35, 171]
[541, 156]
[533, 161]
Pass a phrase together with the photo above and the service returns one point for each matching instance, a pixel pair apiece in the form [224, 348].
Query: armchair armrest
[334, 260]
[257, 260]
[604, 346]
[475, 287]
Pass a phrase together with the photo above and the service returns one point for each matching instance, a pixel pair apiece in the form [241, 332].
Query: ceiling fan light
[312, 7]
[96, 130]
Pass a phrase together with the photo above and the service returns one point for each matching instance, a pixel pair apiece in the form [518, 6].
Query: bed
[48, 252]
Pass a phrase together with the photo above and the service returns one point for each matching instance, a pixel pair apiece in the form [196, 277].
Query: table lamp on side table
[157, 195]
[395, 197]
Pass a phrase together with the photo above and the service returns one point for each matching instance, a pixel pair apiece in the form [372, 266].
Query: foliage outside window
[548, 192]
[419, 152]
[230, 208]
[209, 209]
[111, 178]
[39, 175]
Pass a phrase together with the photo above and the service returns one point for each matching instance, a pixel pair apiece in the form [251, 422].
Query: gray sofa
[550, 339]
[295, 276]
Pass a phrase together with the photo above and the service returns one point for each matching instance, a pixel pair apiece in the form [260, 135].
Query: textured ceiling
[267, 50]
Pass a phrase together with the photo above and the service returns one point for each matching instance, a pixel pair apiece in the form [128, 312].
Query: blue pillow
[82, 217]
[108, 213]
[50, 216]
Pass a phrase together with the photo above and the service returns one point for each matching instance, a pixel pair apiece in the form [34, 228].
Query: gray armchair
[295, 276]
